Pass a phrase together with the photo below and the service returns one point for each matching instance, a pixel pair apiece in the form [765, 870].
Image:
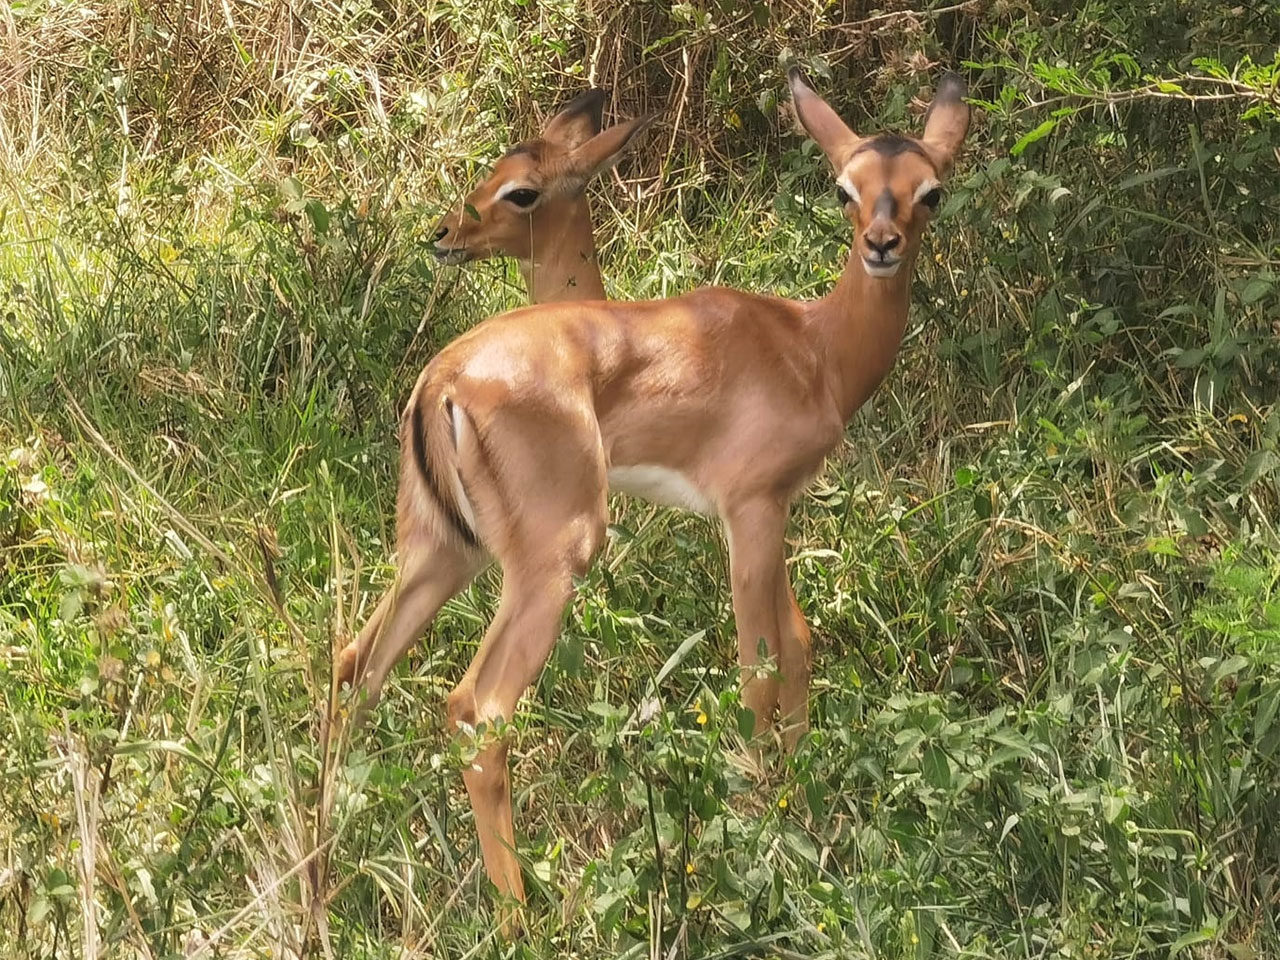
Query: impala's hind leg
[545, 521]
[430, 573]
[510, 658]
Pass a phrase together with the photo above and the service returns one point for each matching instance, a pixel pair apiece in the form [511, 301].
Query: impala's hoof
[510, 917]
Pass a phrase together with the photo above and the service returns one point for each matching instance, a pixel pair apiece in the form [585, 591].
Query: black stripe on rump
[450, 510]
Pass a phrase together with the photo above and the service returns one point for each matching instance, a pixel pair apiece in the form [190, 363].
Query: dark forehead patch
[890, 145]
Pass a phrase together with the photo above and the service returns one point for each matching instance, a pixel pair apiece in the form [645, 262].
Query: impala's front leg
[794, 663]
[758, 575]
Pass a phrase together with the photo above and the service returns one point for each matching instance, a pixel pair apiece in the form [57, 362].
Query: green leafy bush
[1043, 575]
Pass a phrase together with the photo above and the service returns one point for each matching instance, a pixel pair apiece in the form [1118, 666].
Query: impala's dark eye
[842, 195]
[932, 198]
[523, 198]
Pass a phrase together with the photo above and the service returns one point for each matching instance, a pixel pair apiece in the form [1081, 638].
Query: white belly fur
[661, 485]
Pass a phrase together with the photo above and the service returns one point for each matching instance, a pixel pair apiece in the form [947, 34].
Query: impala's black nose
[440, 234]
[883, 247]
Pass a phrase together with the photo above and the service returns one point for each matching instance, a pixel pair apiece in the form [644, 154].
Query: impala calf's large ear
[578, 120]
[598, 154]
[821, 122]
[946, 122]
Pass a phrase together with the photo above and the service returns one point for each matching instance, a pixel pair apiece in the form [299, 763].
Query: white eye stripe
[925, 188]
[509, 188]
[850, 189]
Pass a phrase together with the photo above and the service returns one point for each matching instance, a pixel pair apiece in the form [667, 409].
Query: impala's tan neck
[564, 264]
[862, 322]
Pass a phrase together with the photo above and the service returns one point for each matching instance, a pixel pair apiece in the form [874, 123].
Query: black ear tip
[589, 101]
[951, 87]
[796, 77]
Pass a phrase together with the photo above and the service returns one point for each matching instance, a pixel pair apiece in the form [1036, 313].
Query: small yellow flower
[822, 927]
[782, 802]
[702, 719]
[688, 868]
[964, 292]
[937, 258]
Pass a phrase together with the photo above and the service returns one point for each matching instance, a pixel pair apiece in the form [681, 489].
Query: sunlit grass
[1042, 572]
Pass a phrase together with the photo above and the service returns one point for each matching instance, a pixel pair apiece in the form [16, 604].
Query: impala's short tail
[431, 431]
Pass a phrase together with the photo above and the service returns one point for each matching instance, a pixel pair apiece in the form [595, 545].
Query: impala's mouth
[451, 256]
[877, 267]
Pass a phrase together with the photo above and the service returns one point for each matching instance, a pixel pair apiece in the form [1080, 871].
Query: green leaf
[318, 215]
[982, 504]
[677, 658]
[1031, 136]
[1242, 951]
[907, 740]
[71, 605]
[1112, 807]
[1256, 289]
[570, 655]
[777, 893]
[936, 768]
[1189, 939]
[1228, 667]
[1268, 705]
[1190, 358]
[1163, 547]
[1010, 822]
[1259, 464]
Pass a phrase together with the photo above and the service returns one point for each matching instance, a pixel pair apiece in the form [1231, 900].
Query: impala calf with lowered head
[718, 401]
[533, 206]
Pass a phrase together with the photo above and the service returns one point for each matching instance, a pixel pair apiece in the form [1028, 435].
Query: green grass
[1043, 572]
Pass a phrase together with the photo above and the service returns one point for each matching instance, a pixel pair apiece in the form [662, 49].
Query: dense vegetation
[1044, 573]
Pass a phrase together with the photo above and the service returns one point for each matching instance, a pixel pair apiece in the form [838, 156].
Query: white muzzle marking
[878, 268]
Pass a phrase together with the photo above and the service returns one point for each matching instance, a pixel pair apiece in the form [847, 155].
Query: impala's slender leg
[430, 573]
[554, 524]
[757, 573]
[794, 664]
[510, 657]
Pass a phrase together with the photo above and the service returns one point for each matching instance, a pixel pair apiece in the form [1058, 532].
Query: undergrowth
[1043, 572]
